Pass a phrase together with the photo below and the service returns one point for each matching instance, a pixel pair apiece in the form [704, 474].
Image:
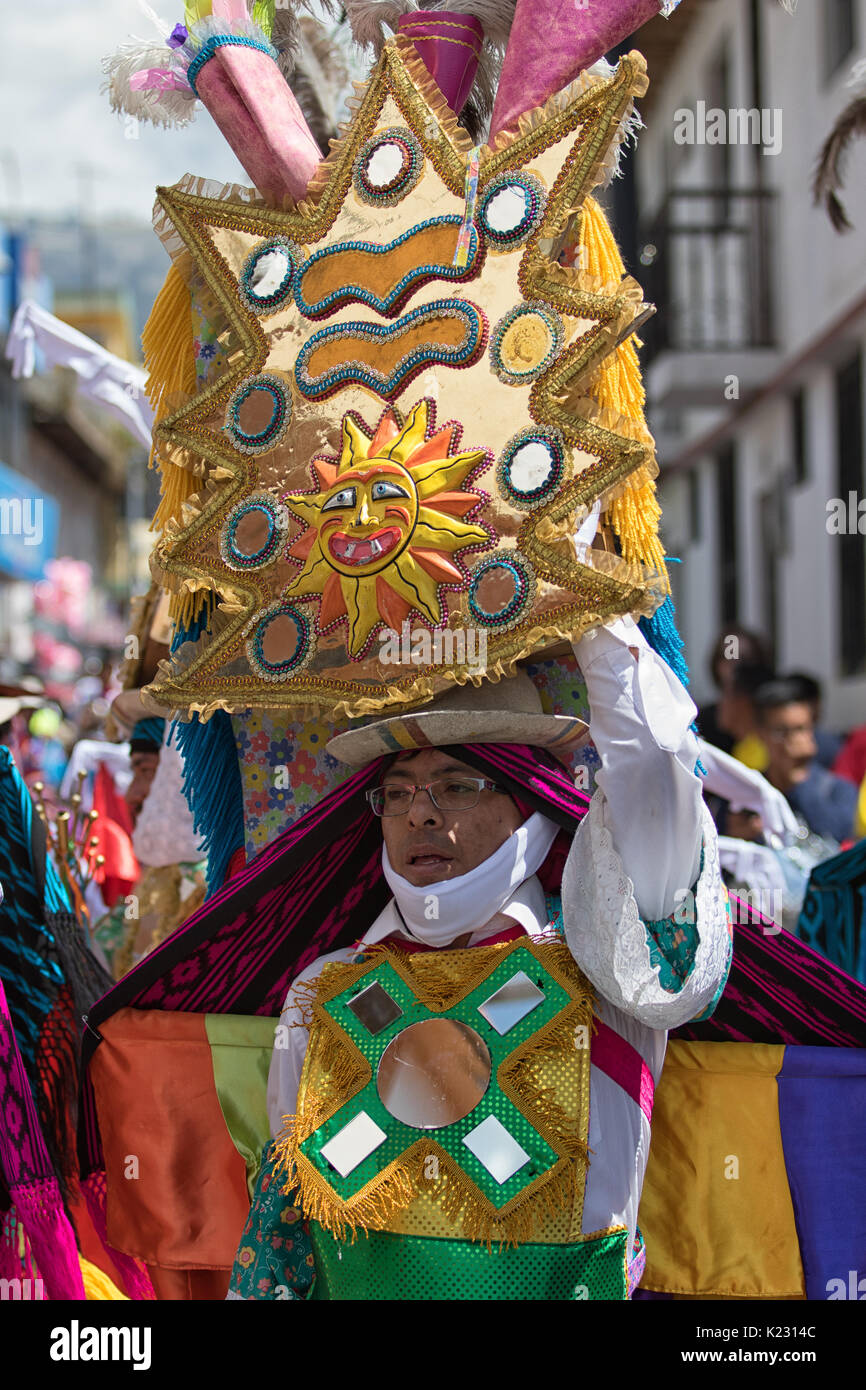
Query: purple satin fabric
[449, 44]
[822, 1117]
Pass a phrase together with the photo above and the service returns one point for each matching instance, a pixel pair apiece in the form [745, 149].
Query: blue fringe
[212, 787]
[211, 777]
[661, 632]
[195, 630]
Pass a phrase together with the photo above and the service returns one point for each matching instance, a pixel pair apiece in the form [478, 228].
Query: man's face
[144, 767]
[788, 733]
[426, 845]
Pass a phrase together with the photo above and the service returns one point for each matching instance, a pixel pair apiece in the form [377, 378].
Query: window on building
[840, 32]
[800, 465]
[726, 495]
[851, 550]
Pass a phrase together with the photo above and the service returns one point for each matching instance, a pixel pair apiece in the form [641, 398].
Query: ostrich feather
[368, 19]
[161, 108]
[829, 176]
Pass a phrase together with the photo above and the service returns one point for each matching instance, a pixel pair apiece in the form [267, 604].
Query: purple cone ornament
[449, 44]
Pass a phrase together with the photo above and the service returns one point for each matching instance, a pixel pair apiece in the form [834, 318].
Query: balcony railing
[706, 263]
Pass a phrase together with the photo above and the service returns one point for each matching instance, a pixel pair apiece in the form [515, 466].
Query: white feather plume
[162, 108]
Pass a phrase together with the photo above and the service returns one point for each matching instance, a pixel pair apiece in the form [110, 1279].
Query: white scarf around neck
[466, 903]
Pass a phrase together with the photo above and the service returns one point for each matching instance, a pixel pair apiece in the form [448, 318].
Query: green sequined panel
[383, 1266]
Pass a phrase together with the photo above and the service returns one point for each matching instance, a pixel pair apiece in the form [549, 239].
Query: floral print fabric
[275, 1257]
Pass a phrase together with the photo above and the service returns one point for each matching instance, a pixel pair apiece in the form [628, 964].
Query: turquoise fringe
[212, 776]
[212, 787]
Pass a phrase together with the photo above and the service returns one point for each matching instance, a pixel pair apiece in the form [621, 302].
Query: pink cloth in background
[552, 41]
[254, 107]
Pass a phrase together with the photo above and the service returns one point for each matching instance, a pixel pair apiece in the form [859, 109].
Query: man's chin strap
[438, 913]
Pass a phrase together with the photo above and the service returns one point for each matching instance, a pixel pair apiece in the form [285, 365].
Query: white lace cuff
[608, 939]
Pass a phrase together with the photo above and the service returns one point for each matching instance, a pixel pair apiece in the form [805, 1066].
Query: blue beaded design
[387, 195]
[278, 527]
[273, 432]
[553, 442]
[267, 304]
[209, 48]
[523, 576]
[418, 275]
[535, 197]
[557, 336]
[281, 670]
[361, 373]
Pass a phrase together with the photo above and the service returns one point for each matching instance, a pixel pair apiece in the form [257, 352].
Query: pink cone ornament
[552, 41]
[254, 107]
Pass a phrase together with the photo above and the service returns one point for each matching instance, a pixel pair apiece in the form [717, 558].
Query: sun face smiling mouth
[364, 550]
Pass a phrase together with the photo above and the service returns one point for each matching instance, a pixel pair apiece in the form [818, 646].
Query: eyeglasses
[447, 794]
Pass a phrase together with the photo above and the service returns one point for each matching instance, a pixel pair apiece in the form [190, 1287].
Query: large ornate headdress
[426, 387]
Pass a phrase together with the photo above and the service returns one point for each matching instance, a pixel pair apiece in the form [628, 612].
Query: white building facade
[755, 365]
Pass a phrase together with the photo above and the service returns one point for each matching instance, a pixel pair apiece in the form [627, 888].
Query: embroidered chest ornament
[404, 439]
[459, 1079]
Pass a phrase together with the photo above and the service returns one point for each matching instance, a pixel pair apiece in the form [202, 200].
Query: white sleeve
[608, 938]
[742, 786]
[290, 1044]
[640, 718]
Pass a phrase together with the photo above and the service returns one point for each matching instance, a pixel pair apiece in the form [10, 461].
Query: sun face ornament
[384, 527]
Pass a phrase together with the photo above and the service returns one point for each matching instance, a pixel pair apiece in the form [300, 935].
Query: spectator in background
[144, 748]
[732, 646]
[827, 743]
[737, 715]
[786, 725]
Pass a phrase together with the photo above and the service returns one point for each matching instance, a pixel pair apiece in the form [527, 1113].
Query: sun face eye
[383, 489]
[344, 498]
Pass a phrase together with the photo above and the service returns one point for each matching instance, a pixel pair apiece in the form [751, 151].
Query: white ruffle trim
[607, 936]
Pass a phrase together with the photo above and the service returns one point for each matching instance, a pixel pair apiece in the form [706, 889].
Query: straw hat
[508, 712]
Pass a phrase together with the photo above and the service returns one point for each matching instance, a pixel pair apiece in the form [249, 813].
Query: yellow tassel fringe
[635, 513]
[169, 355]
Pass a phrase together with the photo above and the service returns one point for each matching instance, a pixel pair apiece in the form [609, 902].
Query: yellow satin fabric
[707, 1234]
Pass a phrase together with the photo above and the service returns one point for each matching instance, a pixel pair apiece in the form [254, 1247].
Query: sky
[62, 148]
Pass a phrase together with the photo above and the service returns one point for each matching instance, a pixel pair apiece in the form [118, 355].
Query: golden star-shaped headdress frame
[405, 437]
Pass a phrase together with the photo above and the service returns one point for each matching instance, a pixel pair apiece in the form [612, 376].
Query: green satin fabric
[385, 1266]
[241, 1047]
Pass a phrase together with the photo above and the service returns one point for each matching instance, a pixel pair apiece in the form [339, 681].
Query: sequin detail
[523, 577]
[393, 192]
[263, 440]
[528, 498]
[263, 304]
[364, 374]
[277, 530]
[535, 198]
[295, 660]
[401, 291]
[519, 354]
[406, 1267]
